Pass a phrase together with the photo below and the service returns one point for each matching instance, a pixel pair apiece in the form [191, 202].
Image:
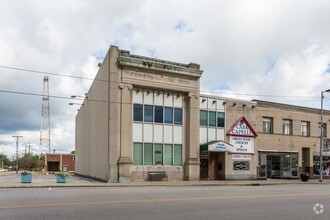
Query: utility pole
[27, 146]
[17, 139]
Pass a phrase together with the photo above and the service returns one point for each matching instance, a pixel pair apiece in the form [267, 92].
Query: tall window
[148, 113]
[138, 112]
[157, 114]
[178, 116]
[212, 119]
[305, 127]
[137, 154]
[168, 115]
[267, 125]
[324, 130]
[203, 118]
[287, 127]
[157, 154]
[220, 119]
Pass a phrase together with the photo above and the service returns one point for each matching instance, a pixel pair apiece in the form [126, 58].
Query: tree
[4, 159]
[32, 161]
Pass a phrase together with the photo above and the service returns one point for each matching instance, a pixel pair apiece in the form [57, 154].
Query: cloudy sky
[276, 50]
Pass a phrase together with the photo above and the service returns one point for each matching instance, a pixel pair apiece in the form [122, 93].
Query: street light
[321, 137]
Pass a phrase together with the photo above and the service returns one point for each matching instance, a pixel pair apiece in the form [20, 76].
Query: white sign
[326, 147]
[241, 157]
[220, 146]
[242, 144]
[241, 128]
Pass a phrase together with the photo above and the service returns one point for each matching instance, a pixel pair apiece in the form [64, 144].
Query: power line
[53, 74]
[102, 80]
[51, 96]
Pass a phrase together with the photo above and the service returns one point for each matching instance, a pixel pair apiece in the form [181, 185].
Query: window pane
[178, 154]
[158, 154]
[168, 154]
[138, 112]
[178, 116]
[304, 128]
[148, 113]
[267, 125]
[159, 114]
[203, 118]
[212, 119]
[137, 154]
[168, 115]
[221, 120]
[148, 154]
[287, 127]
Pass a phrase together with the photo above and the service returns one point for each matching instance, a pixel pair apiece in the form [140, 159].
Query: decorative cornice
[191, 69]
[193, 95]
[123, 85]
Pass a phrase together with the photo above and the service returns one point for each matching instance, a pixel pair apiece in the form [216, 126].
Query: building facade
[59, 162]
[143, 114]
[140, 115]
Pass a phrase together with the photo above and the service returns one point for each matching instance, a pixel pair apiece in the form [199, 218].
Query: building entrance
[278, 165]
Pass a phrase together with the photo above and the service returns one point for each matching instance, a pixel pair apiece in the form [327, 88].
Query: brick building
[144, 115]
[59, 162]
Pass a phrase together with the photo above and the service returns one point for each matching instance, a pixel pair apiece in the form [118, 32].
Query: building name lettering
[148, 76]
[241, 129]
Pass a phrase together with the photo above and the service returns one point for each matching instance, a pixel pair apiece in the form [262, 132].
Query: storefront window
[326, 165]
[168, 154]
[158, 154]
[148, 154]
[137, 154]
[294, 164]
[177, 154]
[262, 165]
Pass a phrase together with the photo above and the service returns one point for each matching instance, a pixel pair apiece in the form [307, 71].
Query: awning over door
[216, 146]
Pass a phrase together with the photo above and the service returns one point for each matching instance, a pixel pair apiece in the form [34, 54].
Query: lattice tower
[45, 117]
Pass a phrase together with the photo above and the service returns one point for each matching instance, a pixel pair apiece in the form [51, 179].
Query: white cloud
[278, 48]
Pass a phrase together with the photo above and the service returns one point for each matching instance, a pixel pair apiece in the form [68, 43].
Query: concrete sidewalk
[12, 180]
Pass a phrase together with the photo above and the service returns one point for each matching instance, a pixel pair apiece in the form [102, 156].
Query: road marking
[156, 200]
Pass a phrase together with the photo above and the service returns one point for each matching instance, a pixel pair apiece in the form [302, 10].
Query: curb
[147, 184]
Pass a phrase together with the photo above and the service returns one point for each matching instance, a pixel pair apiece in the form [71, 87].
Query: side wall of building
[92, 152]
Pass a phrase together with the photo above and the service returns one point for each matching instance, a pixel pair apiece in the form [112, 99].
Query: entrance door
[204, 169]
[262, 172]
[275, 166]
[53, 166]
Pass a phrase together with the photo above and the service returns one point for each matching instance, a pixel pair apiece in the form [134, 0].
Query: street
[294, 201]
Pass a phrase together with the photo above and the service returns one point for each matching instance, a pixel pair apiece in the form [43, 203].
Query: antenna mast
[45, 117]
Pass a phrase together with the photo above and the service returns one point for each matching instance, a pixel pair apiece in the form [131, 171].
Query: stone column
[125, 160]
[192, 163]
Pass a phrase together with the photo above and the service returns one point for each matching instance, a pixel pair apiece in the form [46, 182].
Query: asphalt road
[294, 201]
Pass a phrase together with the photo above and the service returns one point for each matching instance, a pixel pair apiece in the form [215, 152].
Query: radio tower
[45, 118]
